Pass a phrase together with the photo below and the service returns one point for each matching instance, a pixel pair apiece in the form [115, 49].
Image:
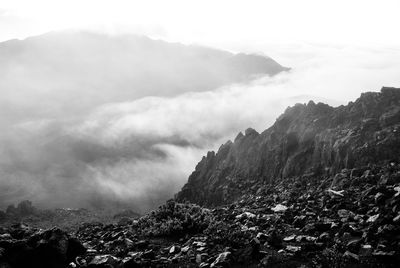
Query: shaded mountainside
[91, 69]
[306, 139]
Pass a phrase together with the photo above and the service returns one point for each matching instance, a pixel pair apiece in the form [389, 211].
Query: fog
[138, 151]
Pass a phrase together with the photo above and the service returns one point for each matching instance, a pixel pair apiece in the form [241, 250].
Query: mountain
[308, 138]
[320, 188]
[61, 90]
[45, 74]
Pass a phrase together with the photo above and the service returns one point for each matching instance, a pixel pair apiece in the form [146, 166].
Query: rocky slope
[320, 188]
[307, 139]
[350, 219]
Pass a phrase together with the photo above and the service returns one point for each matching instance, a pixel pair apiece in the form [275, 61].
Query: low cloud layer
[139, 153]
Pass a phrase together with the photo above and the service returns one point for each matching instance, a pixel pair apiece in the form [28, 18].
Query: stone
[131, 263]
[174, 250]
[199, 244]
[381, 253]
[397, 189]
[5, 236]
[289, 238]
[336, 193]
[293, 248]
[222, 260]
[204, 265]
[185, 249]
[366, 250]
[246, 215]
[103, 260]
[142, 244]
[352, 256]
[322, 226]
[198, 258]
[344, 213]
[299, 221]
[397, 219]
[279, 208]
[307, 238]
[274, 239]
[373, 218]
[379, 198]
[324, 237]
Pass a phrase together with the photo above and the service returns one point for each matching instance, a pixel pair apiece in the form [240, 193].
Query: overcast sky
[222, 23]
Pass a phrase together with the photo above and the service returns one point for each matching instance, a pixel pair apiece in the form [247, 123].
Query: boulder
[222, 260]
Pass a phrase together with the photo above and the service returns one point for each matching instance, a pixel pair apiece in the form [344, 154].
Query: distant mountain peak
[57, 67]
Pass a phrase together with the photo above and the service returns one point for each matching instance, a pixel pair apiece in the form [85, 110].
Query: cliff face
[312, 138]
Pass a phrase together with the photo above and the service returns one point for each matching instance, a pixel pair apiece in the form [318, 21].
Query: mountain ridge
[304, 216]
[306, 138]
[90, 69]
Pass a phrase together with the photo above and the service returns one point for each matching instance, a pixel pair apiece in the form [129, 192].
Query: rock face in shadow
[23, 246]
[305, 139]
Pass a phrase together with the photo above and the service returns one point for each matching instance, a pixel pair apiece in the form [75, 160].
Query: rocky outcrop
[306, 139]
[23, 246]
[320, 188]
[349, 219]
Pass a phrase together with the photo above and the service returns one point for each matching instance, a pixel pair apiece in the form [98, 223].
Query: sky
[223, 23]
[336, 49]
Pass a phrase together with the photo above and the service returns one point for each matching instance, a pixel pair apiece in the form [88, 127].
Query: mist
[138, 151]
[86, 69]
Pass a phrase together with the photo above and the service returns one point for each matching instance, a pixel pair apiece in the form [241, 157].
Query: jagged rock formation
[320, 188]
[305, 139]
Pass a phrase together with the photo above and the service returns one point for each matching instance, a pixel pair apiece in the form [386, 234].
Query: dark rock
[396, 219]
[131, 263]
[149, 254]
[366, 250]
[379, 198]
[222, 260]
[274, 239]
[174, 249]
[351, 256]
[322, 227]
[142, 244]
[49, 248]
[104, 261]
[305, 139]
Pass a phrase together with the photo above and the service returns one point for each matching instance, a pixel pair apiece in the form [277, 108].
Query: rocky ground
[66, 218]
[320, 188]
[351, 219]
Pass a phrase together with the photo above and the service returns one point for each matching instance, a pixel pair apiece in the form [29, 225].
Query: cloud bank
[139, 153]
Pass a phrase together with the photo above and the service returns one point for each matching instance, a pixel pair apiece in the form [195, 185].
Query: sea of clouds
[139, 153]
